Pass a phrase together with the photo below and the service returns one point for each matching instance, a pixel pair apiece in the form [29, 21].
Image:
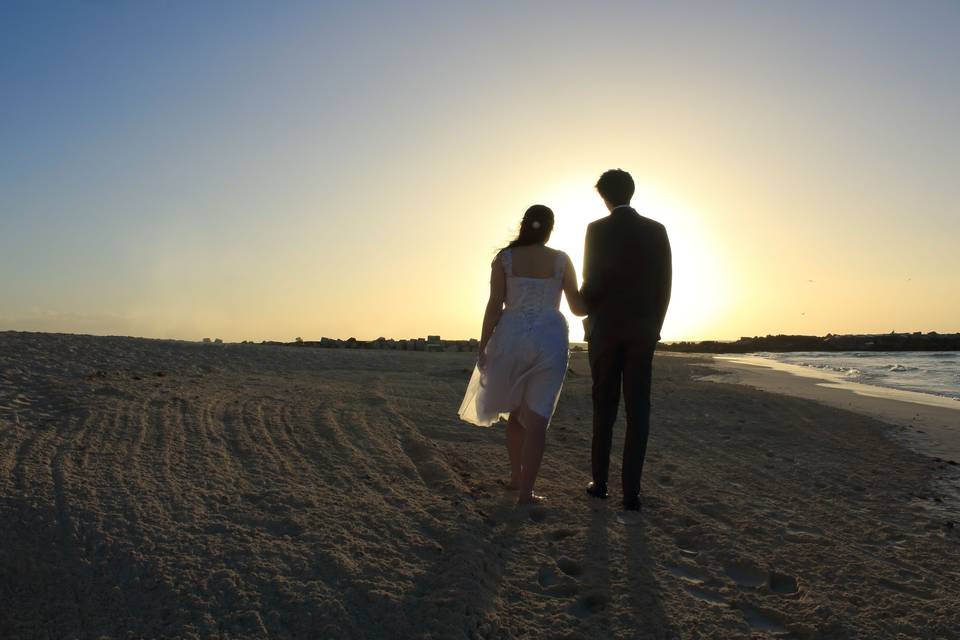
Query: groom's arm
[666, 279]
[591, 269]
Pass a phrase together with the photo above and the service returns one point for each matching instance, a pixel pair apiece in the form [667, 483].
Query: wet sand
[166, 489]
[927, 424]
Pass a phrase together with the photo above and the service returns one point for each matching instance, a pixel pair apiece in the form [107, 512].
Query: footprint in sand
[708, 596]
[554, 584]
[764, 620]
[538, 513]
[569, 566]
[560, 534]
[782, 584]
[547, 576]
[589, 604]
[716, 510]
[689, 543]
[564, 589]
[745, 573]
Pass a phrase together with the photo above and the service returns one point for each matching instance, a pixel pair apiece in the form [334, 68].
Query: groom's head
[615, 187]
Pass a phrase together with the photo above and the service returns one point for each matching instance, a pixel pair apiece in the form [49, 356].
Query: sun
[700, 286]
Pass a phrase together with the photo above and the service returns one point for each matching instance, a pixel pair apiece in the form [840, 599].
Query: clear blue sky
[264, 170]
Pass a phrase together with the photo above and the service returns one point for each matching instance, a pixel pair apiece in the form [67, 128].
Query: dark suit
[626, 285]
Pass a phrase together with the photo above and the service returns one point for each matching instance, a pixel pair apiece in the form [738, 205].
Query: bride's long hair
[535, 227]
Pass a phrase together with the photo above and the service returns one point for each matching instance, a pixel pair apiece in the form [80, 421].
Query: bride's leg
[514, 447]
[534, 441]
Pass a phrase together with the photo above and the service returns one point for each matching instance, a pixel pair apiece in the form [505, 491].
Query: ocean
[932, 372]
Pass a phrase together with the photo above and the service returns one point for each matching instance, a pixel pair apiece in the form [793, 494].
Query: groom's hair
[616, 187]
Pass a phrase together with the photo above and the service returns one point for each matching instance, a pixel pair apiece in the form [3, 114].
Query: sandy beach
[925, 423]
[165, 489]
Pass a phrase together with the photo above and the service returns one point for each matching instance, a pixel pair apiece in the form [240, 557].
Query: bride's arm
[498, 289]
[570, 288]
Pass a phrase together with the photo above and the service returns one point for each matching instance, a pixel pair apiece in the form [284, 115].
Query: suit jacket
[627, 274]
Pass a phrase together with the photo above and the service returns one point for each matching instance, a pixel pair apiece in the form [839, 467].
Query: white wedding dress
[528, 353]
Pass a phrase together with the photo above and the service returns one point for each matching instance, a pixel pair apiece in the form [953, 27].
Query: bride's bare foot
[530, 499]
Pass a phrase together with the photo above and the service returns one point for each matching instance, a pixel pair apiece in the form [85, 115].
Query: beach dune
[169, 489]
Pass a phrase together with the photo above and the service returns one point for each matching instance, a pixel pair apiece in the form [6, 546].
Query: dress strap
[506, 257]
[560, 265]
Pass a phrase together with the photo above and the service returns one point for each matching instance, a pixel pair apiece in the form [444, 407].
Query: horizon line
[293, 340]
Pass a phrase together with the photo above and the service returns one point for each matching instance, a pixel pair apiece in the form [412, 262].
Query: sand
[179, 490]
[927, 424]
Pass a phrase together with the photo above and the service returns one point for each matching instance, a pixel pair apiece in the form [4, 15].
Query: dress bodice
[531, 297]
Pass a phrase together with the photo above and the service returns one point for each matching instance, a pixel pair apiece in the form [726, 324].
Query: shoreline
[928, 424]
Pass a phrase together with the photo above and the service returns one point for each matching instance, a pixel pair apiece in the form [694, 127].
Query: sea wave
[900, 367]
[935, 373]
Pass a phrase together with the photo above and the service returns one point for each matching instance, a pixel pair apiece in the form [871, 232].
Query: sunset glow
[297, 170]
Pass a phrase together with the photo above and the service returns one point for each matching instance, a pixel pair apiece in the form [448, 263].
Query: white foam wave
[934, 373]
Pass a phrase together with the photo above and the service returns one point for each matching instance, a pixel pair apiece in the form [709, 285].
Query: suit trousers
[615, 363]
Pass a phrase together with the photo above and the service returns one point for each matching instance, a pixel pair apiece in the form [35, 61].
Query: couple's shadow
[615, 595]
[639, 591]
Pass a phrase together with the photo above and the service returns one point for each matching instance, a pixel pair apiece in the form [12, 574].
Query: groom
[626, 286]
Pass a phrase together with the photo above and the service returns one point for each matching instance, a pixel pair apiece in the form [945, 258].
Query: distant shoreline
[917, 341]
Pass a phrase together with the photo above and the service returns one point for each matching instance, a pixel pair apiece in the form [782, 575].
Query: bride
[524, 346]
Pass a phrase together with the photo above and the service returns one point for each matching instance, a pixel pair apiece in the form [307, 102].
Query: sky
[261, 171]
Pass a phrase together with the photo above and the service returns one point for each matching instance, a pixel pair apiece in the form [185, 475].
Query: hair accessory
[535, 224]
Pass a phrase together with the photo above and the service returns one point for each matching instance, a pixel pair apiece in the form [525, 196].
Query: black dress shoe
[631, 503]
[597, 490]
